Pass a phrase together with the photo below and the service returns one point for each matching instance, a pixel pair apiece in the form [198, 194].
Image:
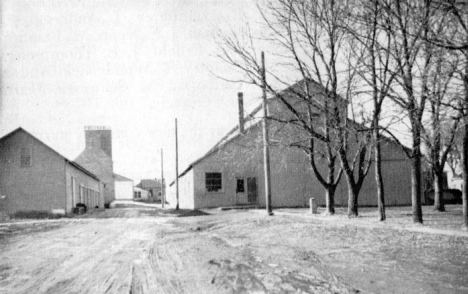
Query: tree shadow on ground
[174, 213]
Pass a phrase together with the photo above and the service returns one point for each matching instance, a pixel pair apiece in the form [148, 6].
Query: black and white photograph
[233, 146]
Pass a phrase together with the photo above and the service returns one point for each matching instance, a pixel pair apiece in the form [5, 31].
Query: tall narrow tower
[99, 137]
[97, 158]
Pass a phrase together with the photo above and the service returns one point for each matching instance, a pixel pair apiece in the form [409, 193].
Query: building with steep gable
[35, 177]
[231, 173]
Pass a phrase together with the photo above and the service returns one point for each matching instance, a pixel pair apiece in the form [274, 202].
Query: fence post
[313, 206]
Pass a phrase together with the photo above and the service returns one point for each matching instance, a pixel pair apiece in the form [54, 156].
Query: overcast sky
[133, 66]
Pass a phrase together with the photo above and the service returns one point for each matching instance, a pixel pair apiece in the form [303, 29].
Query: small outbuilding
[153, 187]
[140, 194]
[123, 188]
[35, 177]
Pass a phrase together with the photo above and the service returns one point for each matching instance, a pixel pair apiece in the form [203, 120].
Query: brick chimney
[240, 97]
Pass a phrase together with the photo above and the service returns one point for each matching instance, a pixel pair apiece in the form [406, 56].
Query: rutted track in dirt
[140, 254]
[91, 256]
[137, 251]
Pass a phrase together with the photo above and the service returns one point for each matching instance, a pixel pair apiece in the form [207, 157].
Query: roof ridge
[72, 162]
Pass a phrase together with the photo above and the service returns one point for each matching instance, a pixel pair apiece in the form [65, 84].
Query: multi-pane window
[26, 156]
[213, 182]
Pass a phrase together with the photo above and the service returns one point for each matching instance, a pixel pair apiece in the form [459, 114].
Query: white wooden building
[231, 173]
[123, 188]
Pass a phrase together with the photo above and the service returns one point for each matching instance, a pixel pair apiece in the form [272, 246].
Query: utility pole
[177, 166]
[266, 152]
[163, 196]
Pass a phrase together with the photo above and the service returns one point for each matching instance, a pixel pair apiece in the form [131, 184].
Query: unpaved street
[138, 250]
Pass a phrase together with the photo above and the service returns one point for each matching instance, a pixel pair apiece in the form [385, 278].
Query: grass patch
[35, 214]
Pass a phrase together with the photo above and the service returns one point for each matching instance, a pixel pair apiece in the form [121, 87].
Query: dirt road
[138, 251]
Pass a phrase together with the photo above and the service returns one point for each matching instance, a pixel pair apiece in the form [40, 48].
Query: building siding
[123, 190]
[84, 180]
[293, 182]
[99, 163]
[42, 186]
[38, 187]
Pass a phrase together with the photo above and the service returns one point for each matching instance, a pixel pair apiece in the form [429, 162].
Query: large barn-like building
[232, 173]
[34, 177]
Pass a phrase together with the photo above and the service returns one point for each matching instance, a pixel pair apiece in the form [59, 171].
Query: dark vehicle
[80, 208]
[450, 196]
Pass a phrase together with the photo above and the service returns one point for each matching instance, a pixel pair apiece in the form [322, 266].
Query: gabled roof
[120, 178]
[149, 184]
[138, 189]
[255, 117]
[20, 129]
[93, 154]
[251, 120]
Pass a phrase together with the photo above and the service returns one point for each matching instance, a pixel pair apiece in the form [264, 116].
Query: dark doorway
[252, 194]
[240, 186]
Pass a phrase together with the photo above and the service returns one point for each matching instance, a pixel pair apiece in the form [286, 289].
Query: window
[26, 154]
[240, 186]
[213, 182]
[88, 197]
[81, 194]
[73, 190]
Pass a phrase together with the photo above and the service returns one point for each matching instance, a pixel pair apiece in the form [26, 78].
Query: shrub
[35, 214]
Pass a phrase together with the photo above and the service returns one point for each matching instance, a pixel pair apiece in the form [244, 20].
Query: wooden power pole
[177, 166]
[163, 196]
[266, 151]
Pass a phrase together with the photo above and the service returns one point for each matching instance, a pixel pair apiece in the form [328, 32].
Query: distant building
[140, 194]
[34, 177]
[123, 188]
[153, 187]
[97, 158]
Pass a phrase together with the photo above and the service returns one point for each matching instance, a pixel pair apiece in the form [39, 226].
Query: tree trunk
[416, 188]
[438, 191]
[330, 200]
[465, 149]
[378, 177]
[352, 201]
[465, 175]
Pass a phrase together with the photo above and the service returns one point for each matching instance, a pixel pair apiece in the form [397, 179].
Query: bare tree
[439, 133]
[368, 28]
[453, 18]
[314, 46]
[411, 58]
